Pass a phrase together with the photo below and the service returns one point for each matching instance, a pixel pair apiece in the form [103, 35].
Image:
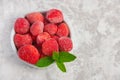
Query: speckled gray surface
[95, 28]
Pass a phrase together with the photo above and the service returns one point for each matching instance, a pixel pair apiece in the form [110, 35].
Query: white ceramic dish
[14, 47]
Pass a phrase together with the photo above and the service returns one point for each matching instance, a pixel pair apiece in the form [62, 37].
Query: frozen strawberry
[50, 28]
[36, 28]
[49, 46]
[54, 16]
[21, 26]
[21, 40]
[55, 37]
[62, 30]
[42, 37]
[29, 54]
[35, 16]
[65, 44]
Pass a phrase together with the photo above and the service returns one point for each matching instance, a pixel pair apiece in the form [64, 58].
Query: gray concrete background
[95, 28]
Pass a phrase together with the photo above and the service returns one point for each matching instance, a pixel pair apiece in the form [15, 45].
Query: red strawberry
[54, 16]
[50, 28]
[65, 44]
[21, 26]
[21, 40]
[35, 16]
[49, 46]
[42, 37]
[29, 54]
[63, 30]
[37, 28]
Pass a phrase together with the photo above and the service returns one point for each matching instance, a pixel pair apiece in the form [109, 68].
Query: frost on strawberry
[50, 28]
[36, 28]
[21, 40]
[65, 44]
[29, 54]
[49, 46]
[42, 37]
[54, 16]
[21, 26]
[35, 16]
[63, 30]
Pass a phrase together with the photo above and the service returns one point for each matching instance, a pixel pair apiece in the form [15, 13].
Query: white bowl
[14, 47]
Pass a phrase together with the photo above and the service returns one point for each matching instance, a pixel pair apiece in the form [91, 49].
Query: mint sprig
[44, 62]
[59, 57]
[61, 66]
[55, 56]
[66, 57]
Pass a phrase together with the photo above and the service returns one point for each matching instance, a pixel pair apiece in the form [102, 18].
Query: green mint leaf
[44, 62]
[61, 66]
[66, 57]
[55, 56]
